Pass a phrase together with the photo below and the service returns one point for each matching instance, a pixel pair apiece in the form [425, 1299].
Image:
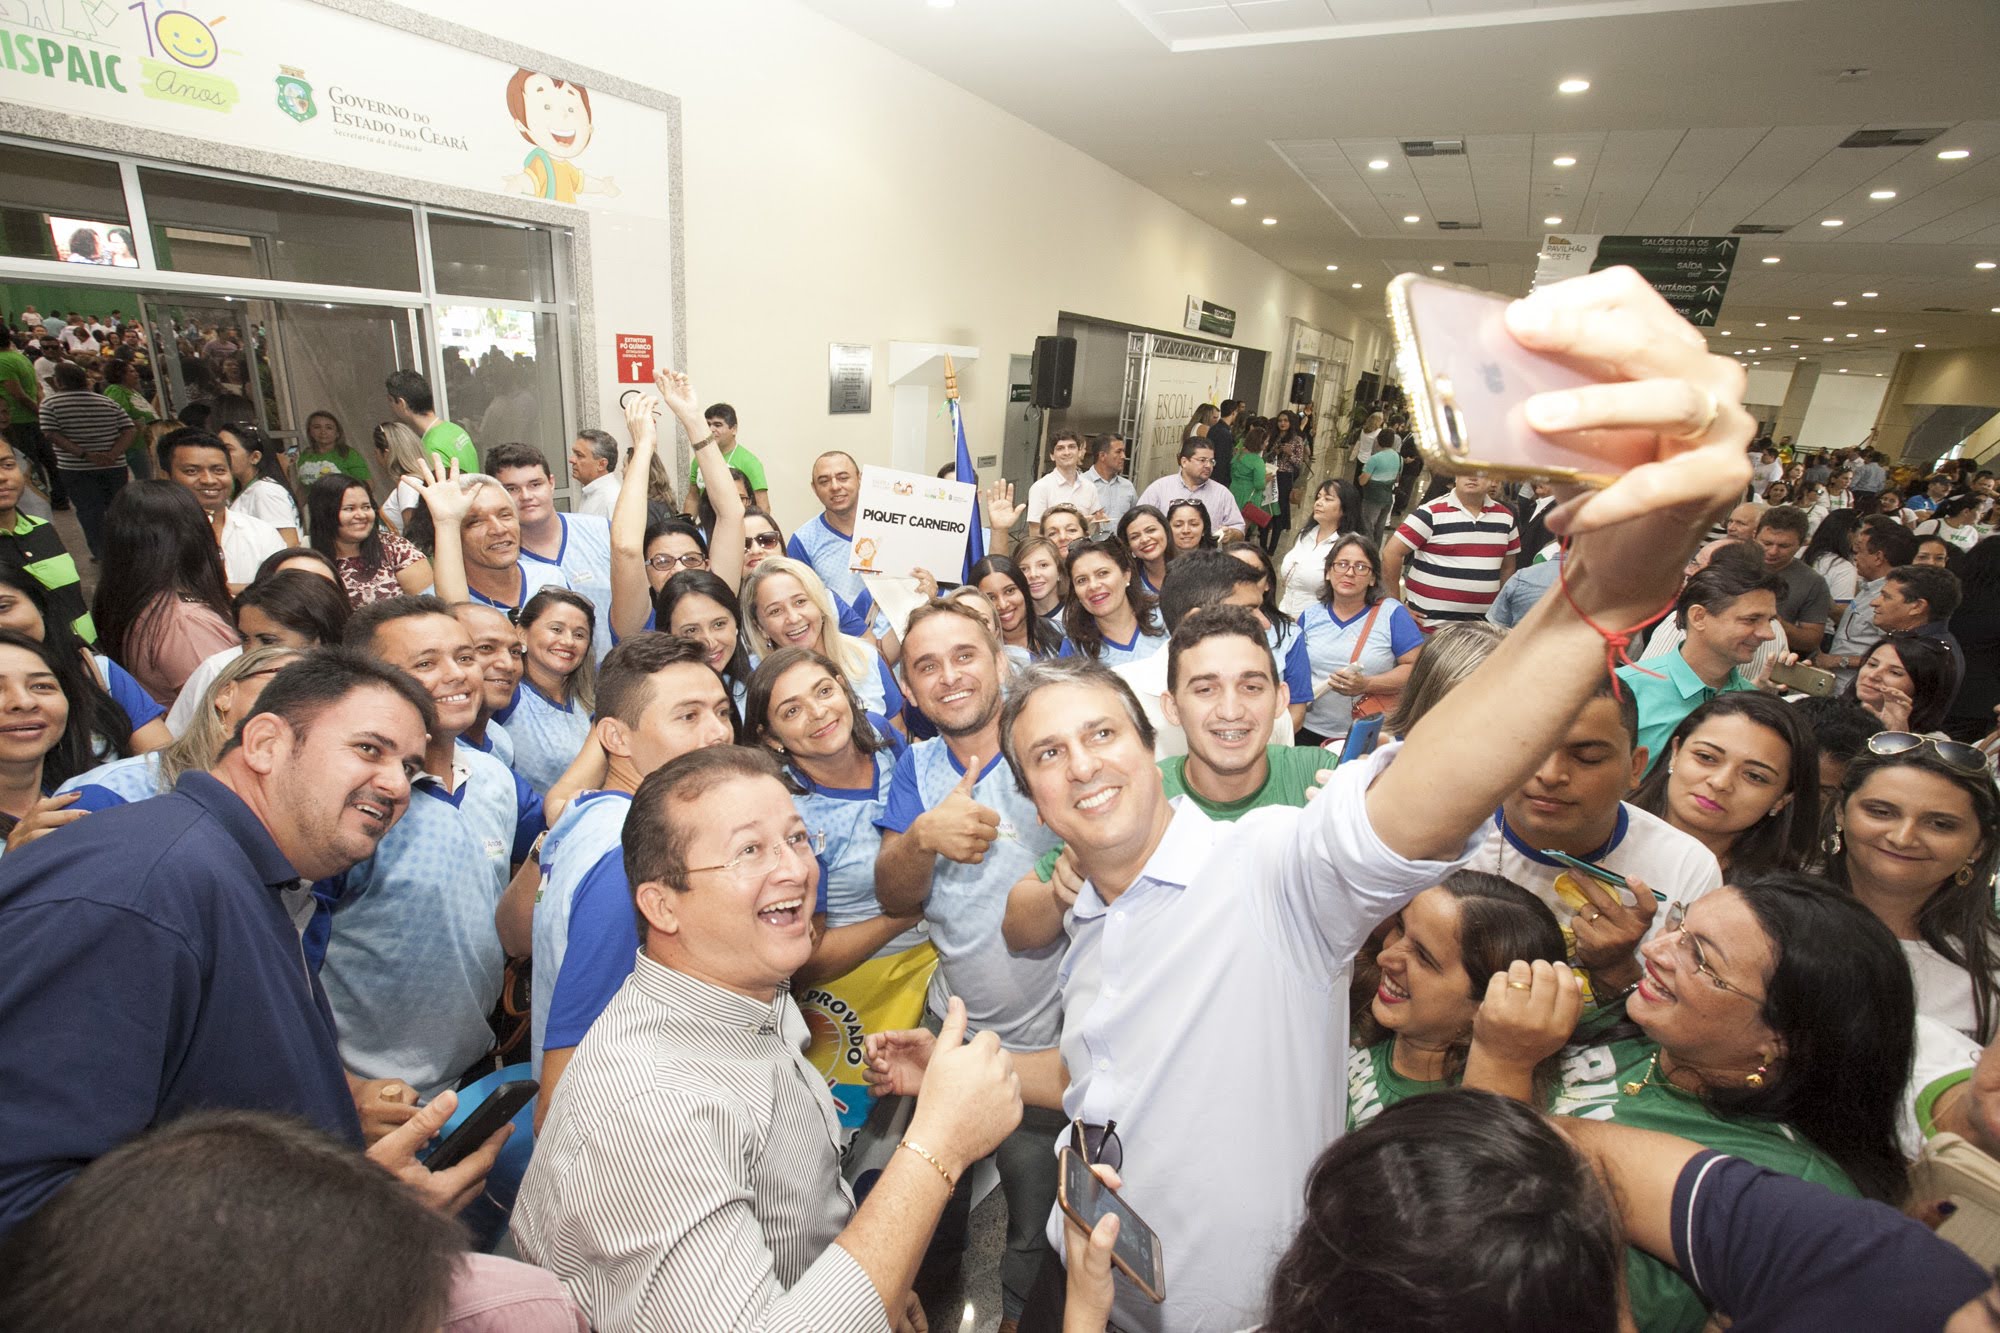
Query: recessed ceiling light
[1954, 154]
[1840, 303]
[1881, 330]
[1760, 323]
[1770, 259]
[1379, 164]
[1854, 335]
[1437, 268]
[1239, 201]
[1843, 370]
[1871, 294]
[1573, 86]
[1333, 268]
[1881, 194]
[1756, 363]
[1551, 222]
[1565, 161]
[1984, 263]
[1270, 222]
[1795, 347]
[1411, 217]
[1356, 286]
[1831, 222]
[1916, 344]
[1826, 339]
[1791, 316]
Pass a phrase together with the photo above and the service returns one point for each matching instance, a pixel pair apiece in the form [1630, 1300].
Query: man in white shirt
[593, 462]
[1202, 950]
[1115, 493]
[1064, 484]
[1767, 470]
[200, 462]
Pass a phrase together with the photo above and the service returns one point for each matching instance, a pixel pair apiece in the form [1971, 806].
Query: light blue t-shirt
[1013, 995]
[583, 848]
[414, 963]
[847, 817]
[585, 561]
[119, 782]
[1141, 646]
[828, 552]
[1330, 646]
[876, 686]
[498, 743]
[547, 736]
[536, 574]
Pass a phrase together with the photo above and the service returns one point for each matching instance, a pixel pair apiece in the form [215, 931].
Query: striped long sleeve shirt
[1457, 559]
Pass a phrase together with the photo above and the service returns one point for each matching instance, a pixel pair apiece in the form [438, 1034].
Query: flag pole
[950, 380]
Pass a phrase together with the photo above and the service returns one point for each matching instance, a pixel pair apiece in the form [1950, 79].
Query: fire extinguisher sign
[635, 358]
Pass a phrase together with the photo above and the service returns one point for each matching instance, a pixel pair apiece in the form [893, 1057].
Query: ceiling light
[1357, 286]
[1881, 330]
[1831, 222]
[1770, 259]
[1881, 194]
[1565, 161]
[1871, 293]
[1379, 164]
[1573, 86]
[1270, 222]
[1984, 263]
[1916, 344]
[1954, 154]
[1333, 268]
[1854, 335]
[1791, 316]
[1725, 333]
[1826, 339]
[1795, 347]
[1411, 217]
[1840, 303]
[1239, 201]
[1843, 370]
[1760, 323]
[1437, 268]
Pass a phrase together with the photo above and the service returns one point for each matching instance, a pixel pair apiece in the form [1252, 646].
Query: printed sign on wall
[635, 358]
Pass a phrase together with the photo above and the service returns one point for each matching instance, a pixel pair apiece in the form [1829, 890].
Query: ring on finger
[1593, 918]
[1714, 411]
[1519, 985]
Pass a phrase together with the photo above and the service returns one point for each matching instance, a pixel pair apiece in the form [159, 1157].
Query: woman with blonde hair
[400, 451]
[786, 605]
[227, 701]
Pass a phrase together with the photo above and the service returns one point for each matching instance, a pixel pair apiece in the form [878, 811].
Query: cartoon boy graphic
[553, 115]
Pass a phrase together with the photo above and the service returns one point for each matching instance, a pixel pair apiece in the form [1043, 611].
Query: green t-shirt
[743, 461]
[1373, 1085]
[1290, 782]
[448, 440]
[135, 406]
[1594, 1079]
[1382, 467]
[313, 466]
[1246, 477]
[15, 366]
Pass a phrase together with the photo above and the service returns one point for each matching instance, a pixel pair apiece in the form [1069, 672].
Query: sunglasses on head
[1957, 755]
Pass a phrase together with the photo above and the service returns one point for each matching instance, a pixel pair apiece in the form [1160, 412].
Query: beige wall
[1968, 376]
[836, 193]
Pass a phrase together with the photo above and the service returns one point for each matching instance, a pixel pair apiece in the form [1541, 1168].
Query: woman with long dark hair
[1336, 511]
[326, 450]
[373, 561]
[161, 605]
[44, 742]
[1189, 525]
[1142, 530]
[550, 716]
[1741, 777]
[699, 606]
[1358, 641]
[262, 488]
[115, 708]
[1288, 455]
[1007, 588]
[1976, 626]
[1107, 618]
[1830, 553]
[1914, 838]
[1906, 681]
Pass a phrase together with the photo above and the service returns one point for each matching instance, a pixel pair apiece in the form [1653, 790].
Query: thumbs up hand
[971, 1096]
[959, 828]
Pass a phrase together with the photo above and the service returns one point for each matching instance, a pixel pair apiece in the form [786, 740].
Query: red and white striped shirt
[1457, 558]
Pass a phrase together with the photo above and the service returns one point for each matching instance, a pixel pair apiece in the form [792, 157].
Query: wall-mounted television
[83, 241]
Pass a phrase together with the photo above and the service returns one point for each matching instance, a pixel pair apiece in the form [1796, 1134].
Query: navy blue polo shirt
[148, 968]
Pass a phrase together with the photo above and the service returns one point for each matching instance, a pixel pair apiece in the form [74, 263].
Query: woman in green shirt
[123, 386]
[1431, 974]
[1775, 1021]
[327, 450]
[1247, 470]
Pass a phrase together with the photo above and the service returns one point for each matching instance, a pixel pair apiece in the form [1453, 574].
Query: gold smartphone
[1467, 379]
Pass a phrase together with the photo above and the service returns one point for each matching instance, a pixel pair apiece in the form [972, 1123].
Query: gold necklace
[1634, 1089]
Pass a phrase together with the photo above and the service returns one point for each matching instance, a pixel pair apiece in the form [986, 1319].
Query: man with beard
[956, 834]
[150, 955]
[414, 963]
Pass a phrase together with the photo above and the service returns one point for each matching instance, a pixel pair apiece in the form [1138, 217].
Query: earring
[1756, 1080]
[1833, 843]
[1964, 875]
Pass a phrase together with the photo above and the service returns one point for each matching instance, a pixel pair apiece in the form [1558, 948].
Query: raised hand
[1001, 511]
[437, 482]
[1529, 1012]
[676, 391]
[971, 1097]
[640, 411]
[959, 828]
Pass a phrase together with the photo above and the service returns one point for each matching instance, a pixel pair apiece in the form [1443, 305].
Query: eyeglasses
[1351, 567]
[1097, 1145]
[761, 858]
[767, 541]
[664, 561]
[1957, 755]
[1677, 926]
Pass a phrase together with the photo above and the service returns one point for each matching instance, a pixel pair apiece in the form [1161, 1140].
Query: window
[495, 260]
[50, 197]
[238, 230]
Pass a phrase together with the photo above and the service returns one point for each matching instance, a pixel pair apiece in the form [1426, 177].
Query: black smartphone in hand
[498, 1109]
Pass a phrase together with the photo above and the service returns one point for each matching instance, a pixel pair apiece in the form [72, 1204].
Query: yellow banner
[881, 995]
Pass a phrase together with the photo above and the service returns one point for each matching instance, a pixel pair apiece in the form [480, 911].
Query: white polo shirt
[1055, 490]
[246, 542]
[1225, 966]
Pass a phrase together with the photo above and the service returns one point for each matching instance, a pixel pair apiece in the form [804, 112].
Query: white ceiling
[1703, 115]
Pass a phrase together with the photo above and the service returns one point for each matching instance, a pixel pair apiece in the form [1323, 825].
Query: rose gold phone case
[1450, 438]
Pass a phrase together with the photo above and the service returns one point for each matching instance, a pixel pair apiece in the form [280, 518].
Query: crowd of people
[1628, 970]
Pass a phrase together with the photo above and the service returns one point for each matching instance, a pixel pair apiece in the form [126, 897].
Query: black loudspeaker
[1053, 372]
[1302, 388]
[1368, 389]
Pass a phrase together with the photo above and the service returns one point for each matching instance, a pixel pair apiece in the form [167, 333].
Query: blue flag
[975, 541]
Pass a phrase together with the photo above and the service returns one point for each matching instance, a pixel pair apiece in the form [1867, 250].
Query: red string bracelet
[1616, 642]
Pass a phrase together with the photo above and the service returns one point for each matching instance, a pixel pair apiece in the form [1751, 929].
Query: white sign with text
[911, 521]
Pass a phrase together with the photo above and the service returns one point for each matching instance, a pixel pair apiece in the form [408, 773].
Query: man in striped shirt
[688, 1174]
[1459, 549]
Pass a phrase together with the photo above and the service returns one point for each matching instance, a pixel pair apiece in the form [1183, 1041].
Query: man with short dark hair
[1880, 545]
[1870, 477]
[657, 700]
[1193, 481]
[199, 462]
[826, 540]
[721, 421]
[687, 1177]
[1767, 470]
[1920, 600]
[1461, 549]
[1222, 431]
[593, 464]
[1806, 603]
[1725, 615]
[412, 403]
[576, 547]
[1064, 483]
[500, 656]
[1115, 493]
[414, 965]
[151, 961]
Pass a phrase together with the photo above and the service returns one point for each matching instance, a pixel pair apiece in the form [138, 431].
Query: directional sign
[1692, 272]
